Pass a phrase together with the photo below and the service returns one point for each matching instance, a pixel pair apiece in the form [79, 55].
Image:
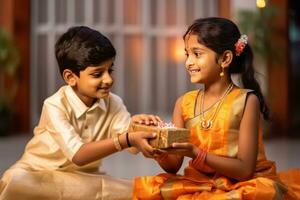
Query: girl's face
[201, 62]
[94, 82]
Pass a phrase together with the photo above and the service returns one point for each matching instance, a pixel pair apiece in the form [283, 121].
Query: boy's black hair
[81, 47]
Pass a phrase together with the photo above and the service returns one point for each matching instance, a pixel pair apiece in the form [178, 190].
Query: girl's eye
[186, 55]
[197, 54]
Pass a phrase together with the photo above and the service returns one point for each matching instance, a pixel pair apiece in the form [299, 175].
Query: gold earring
[222, 72]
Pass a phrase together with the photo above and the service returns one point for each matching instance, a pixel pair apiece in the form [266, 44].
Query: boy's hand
[139, 139]
[146, 119]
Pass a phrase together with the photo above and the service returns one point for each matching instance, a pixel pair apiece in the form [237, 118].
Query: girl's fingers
[181, 145]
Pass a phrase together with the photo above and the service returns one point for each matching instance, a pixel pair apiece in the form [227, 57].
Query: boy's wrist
[117, 142]
[128, 140]
[125, 140]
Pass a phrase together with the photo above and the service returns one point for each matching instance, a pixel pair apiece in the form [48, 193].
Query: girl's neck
[216, 89]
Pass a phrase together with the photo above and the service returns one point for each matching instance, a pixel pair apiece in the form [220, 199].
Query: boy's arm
[61, 130]
[92, 151]
[96, 150]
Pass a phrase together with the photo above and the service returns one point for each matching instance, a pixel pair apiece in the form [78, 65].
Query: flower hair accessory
[240, 44]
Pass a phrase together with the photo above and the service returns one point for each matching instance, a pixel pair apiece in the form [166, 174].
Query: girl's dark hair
[220, 34]
[81, 47]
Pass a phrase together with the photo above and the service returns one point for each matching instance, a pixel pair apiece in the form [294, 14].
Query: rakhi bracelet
[127, 139]
[117, 143]
[199, 161]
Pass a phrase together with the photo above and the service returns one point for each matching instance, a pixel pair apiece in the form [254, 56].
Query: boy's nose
[107, 78]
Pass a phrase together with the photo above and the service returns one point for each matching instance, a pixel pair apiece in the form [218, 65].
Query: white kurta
[45, 170]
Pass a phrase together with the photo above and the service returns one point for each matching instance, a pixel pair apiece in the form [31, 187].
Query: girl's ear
[69, 77]
[226, 59]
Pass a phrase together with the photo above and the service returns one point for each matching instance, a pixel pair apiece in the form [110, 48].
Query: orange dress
[221, 139]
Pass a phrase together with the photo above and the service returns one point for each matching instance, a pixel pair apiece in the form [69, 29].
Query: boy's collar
[78, 106]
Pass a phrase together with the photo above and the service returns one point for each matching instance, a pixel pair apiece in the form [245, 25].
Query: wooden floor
[284, 151]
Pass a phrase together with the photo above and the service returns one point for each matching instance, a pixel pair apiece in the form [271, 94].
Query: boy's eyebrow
[101, 68]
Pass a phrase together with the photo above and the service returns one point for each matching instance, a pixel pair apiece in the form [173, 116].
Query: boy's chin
[103, 95]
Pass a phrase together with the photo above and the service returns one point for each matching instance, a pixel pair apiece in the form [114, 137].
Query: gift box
[165, 136]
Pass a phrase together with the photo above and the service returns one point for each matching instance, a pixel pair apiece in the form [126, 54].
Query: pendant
[205, 125]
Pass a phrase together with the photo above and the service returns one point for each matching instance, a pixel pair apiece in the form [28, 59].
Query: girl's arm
[171, 163]
[242, 167]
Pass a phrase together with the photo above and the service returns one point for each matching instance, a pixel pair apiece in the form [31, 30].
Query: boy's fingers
[149, 135]
[148, 151]
[158, 118]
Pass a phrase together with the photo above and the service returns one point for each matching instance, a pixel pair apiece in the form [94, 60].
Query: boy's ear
[69, 77]
[226, 59]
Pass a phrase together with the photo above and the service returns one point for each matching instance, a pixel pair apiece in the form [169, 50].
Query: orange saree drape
[221, 139]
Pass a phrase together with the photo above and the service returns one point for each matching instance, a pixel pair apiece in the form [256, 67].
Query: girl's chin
[195, 80]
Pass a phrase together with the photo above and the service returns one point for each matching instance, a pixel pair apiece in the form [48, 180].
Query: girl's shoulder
[190, 95]
[188, 101]
[240, 92]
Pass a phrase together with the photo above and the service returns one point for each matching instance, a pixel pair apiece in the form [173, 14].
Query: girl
[226, 150]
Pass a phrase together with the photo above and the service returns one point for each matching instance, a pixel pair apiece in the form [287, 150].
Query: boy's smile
[94, 82]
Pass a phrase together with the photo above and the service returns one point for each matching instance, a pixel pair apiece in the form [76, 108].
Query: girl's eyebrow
[196, 49]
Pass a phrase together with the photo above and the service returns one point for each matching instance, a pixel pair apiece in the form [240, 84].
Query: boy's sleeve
[59, 127]
[120, 122]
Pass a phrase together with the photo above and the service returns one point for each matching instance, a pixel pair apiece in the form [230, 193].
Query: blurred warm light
[260, 3]
[178, 53]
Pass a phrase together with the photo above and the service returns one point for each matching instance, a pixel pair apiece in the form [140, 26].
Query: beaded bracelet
[117, 143]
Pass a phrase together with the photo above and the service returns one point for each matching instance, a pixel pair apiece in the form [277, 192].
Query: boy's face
[94, 82]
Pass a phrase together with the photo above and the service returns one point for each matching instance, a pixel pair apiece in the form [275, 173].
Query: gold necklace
[206, 124]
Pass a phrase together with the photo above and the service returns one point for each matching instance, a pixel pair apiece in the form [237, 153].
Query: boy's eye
[110, 70]
[97, 74]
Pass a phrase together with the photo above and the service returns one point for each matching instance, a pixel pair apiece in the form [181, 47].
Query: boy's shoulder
[58, 97]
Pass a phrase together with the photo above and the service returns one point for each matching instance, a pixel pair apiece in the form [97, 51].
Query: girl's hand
[186, 149]
[139, 139]
[146, 119]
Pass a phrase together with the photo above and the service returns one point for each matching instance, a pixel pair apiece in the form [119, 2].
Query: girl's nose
[189, 62]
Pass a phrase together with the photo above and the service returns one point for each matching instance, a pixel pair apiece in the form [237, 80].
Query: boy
[79, 125]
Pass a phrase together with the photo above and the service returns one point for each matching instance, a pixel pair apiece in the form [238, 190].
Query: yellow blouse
[222, 138]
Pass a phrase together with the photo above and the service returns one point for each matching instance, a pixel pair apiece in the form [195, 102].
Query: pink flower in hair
[240, 44]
